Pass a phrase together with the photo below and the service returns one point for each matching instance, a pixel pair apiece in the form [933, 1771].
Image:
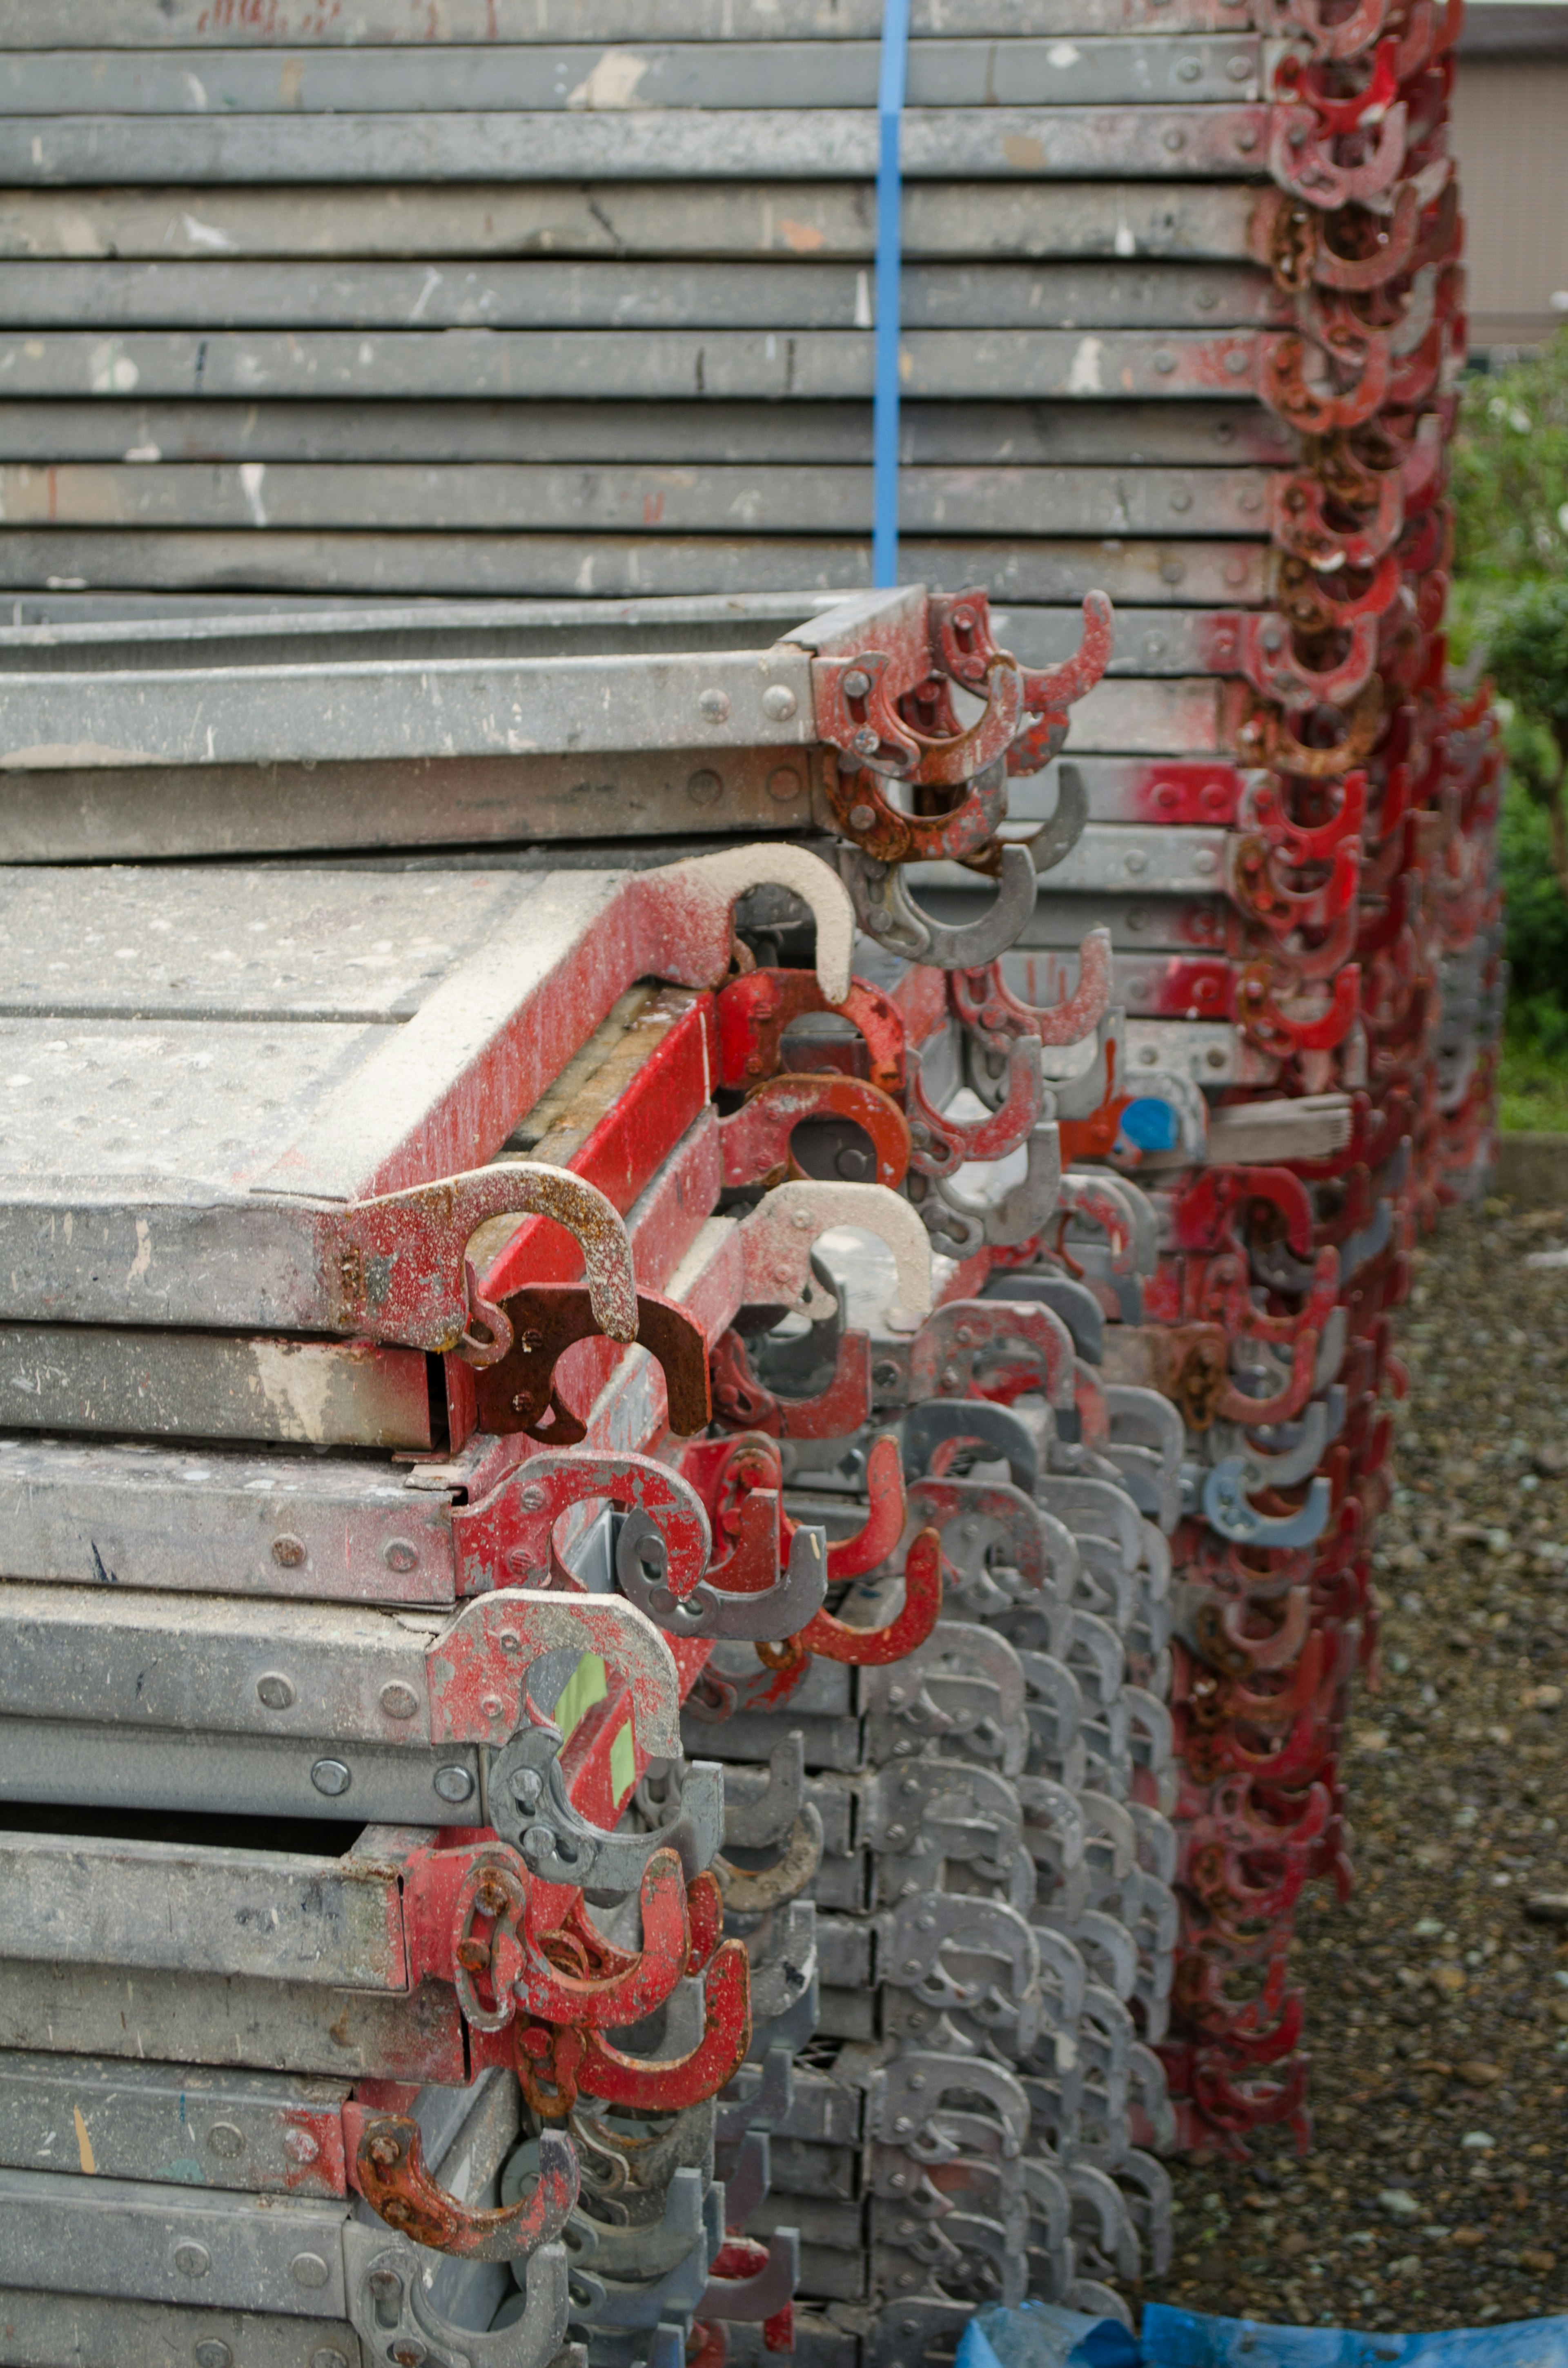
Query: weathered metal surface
[91, 1378]
[123, 815]
[251, 2131]
[481, 707]
[159, 1905]
[1221, 140]
[141, 1516]
[347, 1673]
[262, 714]
[151, 24]
[585, 365]
[390, 567]
[746, 218]
[46, 2330]
[543, 78]
[549, 295]
[711, 434]
[114, 2237]
[156, 1226]
[169, 2013]
[83, 1763]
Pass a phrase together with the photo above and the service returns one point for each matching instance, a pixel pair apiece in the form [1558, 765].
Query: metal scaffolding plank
[620, 565]
[1098, 70]
[626, 297]
[1157, 142]
[295, 24]
[499, 498]
[588, 364]
[619, 218]
[973, 435]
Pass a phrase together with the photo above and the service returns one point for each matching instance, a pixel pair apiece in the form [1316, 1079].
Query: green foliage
[1510, 476]
[1510, 490]
[1527, 655]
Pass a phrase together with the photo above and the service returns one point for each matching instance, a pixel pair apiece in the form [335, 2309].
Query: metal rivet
[509, 1641]
[491, 1706]
[1174, 140]
[454, 1783]
[289, 1552]
[784, 784]
[1246, 140]
[780, 702]
[227, 2140]
[1238, 68]
[856, 683]
[1189, 70]
[533, 1500]
[399, 1701]
[302, 2145]
[329, 2357]
[215, 2353]
[861, 817]
[275, 1691]
[308, 2270]
[1136, 860]
[192, 2261]
[715, 705]
[398, 1554]
[704, 789]
[331, 1777]
[1235, 362]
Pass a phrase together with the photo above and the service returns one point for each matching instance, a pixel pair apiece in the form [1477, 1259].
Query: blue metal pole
[889, 244]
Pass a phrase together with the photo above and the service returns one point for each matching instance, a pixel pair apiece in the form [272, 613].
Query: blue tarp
[1042, 2336]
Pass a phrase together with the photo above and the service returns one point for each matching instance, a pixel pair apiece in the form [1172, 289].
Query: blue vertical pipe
[890, 246]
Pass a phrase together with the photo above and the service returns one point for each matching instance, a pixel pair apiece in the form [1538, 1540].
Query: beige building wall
[1510, 135]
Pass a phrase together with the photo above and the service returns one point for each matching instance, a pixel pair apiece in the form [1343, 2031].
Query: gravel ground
[1437, 2190]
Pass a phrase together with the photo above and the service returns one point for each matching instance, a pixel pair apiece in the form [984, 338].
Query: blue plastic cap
[1151, 1125]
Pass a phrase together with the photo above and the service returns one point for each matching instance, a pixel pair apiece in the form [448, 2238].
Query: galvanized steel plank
[326, 1528]
[1159, 142]
[593, 364]
[1109, 858]
[359, 709]
[654, 218]
[273, 1915]
[78, 1376]
[712, 433]
[104, 813]
[626, 296]
[169, 24]
[285, 2026]
[44, 2330]
[217, 1665]
[537, 77]
[1132, 718]
[78, 1763]
[397, 566]
[528, 497]
[67, 2234]
[251, 2131]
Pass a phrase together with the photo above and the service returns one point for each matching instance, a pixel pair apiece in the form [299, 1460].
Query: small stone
[1449, 1977]
[1547, 1908]
[1294, 2245]
[1479, 2072]
[1539, 2260]
[1467, 2237]
[1400, 2202]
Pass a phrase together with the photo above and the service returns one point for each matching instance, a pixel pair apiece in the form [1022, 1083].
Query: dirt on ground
[1436, 2193]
